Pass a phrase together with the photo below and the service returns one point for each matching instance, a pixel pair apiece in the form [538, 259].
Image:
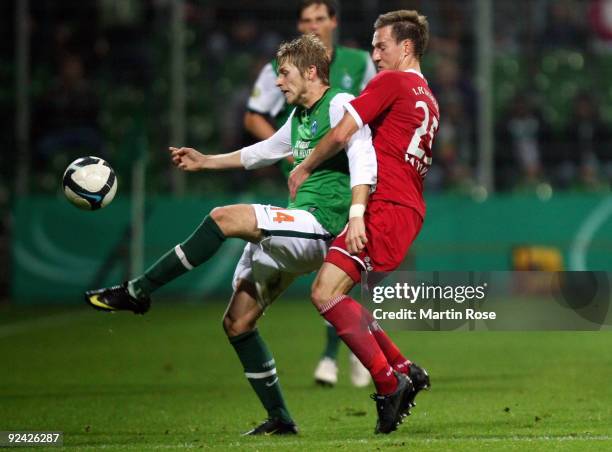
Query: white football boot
[360, 377]
[326, 373]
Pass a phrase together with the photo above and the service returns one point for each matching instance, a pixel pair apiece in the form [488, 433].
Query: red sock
[403, 366]
[351, 322]
[392, 353]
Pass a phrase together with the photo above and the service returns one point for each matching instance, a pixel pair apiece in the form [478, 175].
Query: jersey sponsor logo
[256, 93]
[302, 149]
[304, 132]
[300, 154]
[302, 145]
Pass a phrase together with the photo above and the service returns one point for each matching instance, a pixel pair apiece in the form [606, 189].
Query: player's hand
[187, 159]
[356, 238]
[296, 178]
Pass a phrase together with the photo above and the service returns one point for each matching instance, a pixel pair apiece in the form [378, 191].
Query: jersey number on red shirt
[415, 154]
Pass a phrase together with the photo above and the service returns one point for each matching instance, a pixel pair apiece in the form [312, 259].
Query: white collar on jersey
[414, 71]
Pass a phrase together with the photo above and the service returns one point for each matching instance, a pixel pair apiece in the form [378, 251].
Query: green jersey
[327, 192]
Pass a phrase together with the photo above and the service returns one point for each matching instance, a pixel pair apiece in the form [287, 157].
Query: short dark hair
[303, 52]
[331, 6]
[407, 24]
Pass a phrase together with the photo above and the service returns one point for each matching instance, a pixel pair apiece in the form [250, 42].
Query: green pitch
[170, 380]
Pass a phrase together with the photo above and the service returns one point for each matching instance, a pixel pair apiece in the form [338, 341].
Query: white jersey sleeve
[266, 98]
[269, 151]
[360, 151]
[369, 73]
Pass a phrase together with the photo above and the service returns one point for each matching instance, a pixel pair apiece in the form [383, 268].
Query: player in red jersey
[403, 115]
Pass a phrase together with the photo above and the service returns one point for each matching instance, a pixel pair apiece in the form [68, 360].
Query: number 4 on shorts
[280, 217]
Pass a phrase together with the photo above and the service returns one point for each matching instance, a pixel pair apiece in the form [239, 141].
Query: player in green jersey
[267, 110]
[283, 243]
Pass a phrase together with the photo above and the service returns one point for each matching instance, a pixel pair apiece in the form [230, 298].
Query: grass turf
[171, 380]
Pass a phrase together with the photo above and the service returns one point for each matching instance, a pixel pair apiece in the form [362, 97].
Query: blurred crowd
[97, 65]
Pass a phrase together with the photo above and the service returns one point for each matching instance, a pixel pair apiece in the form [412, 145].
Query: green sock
[197, 249]
[332, 344]
[260, 369]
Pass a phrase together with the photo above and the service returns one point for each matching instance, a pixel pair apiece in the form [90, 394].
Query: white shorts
[294, 244]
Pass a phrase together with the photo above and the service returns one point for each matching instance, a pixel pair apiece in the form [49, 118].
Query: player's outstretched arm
[269, 151]
[260, 154]
[336, 139]
[258, 126]
[189, 159]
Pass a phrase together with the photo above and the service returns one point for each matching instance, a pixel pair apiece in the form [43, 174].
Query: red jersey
[403, 116]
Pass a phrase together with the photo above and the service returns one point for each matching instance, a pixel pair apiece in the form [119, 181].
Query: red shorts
[390, 229]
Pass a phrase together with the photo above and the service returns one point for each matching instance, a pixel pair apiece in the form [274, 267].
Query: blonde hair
[303, 52]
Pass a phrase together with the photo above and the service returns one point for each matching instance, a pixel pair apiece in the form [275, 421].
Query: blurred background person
[523, 133]
[587, 140]
[455, 139]
[67, 117]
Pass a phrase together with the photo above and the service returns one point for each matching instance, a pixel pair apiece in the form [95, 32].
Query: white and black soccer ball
[89, 183]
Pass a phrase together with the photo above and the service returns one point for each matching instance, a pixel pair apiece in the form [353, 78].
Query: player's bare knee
[320, 294]
[219, 215]
[235, 327]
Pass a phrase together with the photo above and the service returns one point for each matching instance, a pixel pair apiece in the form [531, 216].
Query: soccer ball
[89, 183]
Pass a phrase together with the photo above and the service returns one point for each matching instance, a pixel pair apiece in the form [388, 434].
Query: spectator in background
[522, 136]
[452, 34]
[450, 83]
[126, 44]
[455, 142]
[250, 47]
[67, 119]
[587, 142]
[565, 28]
[453, 149]
[507, 29]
